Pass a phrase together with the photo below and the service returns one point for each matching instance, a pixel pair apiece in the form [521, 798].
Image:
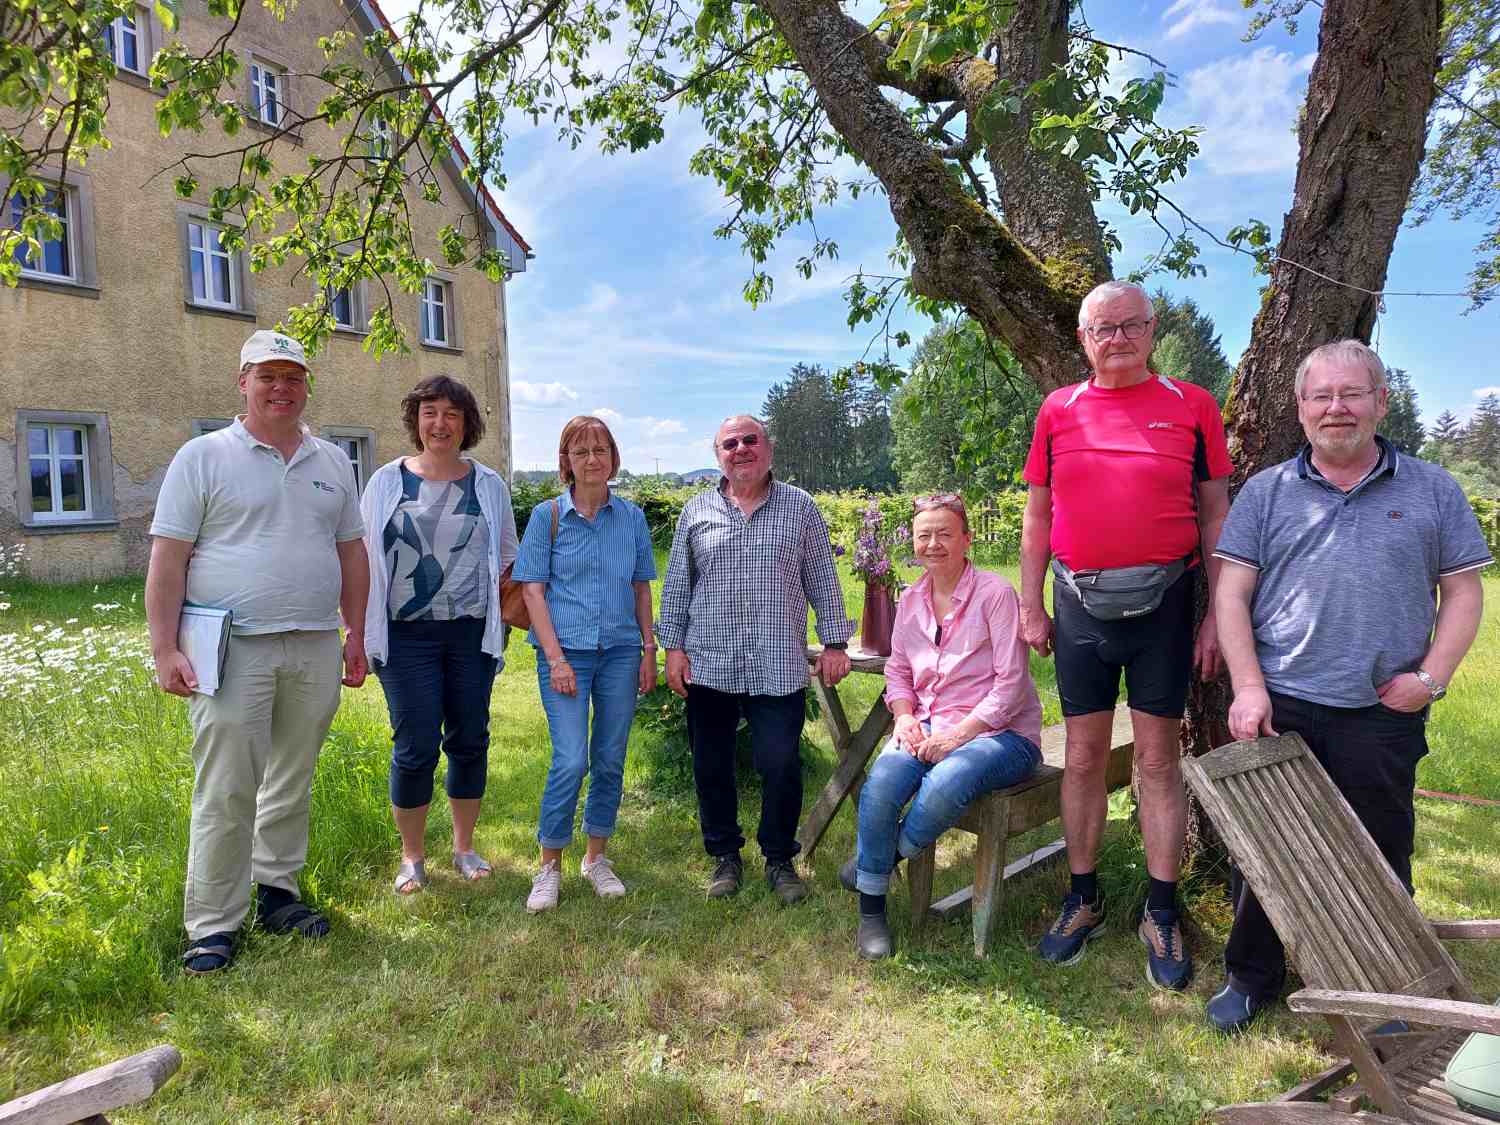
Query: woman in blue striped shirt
[587, 565]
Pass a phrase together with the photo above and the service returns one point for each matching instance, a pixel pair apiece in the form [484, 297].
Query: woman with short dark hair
[439, 532]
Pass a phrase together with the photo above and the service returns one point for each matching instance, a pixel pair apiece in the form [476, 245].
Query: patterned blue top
[437, 550]
[588, 570]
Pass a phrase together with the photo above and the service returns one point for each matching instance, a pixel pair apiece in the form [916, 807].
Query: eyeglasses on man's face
[1349, 397]
[1133, 329]
[730, 444]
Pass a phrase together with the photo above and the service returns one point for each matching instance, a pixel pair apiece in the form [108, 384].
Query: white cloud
[1485, 392]
[1248, 106]
[541, 394]
[1193, 14]
[664, 426]
[613, 417]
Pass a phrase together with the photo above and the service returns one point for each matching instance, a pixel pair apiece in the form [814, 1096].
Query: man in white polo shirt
[262, 519]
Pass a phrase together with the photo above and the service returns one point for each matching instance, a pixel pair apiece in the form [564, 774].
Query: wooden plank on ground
[107, 1087]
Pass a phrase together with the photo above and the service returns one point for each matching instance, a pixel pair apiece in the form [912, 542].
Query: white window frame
[268, 93]
[115, 34]
[54, 475]
[352, 324]
[382, 140]
[437, 299]
[68, 200]
[202, 227]
[363, 440]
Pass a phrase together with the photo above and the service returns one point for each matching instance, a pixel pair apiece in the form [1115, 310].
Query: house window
[341, 304]
[358, 445]
[380, 139]
[57, 259]
[59, 461]
[211, 265]
[268, 93]
[122, 39]
[437, 312]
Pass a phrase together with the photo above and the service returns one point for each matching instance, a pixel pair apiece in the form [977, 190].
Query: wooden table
[854, 748]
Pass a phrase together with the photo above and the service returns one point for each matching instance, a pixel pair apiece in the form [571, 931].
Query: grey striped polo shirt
[1347, 593]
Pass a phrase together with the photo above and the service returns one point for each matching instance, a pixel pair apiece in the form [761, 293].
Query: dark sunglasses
[730, 444]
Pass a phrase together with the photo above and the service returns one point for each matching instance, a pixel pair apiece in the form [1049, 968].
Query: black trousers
[1371, 754]
[775, 733]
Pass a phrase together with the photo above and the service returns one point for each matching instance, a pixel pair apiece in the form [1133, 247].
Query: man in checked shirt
[748, 558]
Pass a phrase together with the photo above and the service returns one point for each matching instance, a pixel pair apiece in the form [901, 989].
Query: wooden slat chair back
[1346, 920]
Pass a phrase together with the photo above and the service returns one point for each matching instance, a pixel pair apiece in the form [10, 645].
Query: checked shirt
[737, 591]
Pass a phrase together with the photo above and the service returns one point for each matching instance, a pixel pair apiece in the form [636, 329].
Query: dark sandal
[209, 955]
[295, 917]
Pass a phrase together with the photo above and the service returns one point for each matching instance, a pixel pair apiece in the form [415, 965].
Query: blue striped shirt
[588, 570]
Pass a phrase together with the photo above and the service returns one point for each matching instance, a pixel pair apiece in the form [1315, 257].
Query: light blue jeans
[938, 795]
[607, 678]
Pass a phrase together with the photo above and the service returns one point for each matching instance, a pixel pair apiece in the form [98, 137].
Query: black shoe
[874, 938]
[278, 911]
[209, 954]
[785, 883]
[1232, 1010]
[728, 873]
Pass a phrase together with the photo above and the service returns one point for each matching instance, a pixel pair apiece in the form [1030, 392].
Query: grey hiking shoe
[728, 872]
[873, 941]
[785, 883]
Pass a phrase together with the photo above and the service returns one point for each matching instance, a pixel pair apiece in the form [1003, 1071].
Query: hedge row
[996, 520]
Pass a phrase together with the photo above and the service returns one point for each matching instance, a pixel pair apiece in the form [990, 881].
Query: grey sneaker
[544, 888]
[873, 941]
[785, 883]
[601, 873]
[728, 872]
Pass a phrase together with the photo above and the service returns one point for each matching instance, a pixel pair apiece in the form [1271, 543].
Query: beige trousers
[255, 745]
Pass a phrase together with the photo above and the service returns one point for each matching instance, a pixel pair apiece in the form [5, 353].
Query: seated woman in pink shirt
[968, 719]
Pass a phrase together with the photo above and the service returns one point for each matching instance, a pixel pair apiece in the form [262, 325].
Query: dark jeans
[1371, 755]
[775, 730]
[437, 683]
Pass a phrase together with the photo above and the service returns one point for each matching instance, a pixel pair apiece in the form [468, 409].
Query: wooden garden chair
[1354, 935]
[88, 1096]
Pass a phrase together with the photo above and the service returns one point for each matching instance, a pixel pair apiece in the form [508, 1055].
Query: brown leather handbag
[513, 609]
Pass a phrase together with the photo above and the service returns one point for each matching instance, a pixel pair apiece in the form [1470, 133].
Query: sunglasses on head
[950, 500]
[730, 444]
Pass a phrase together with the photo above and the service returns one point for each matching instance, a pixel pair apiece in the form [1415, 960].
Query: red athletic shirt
[1123, 464]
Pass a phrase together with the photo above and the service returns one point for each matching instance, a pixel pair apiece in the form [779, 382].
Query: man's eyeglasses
[730, 444]
[1326, 399]
[1133, 329]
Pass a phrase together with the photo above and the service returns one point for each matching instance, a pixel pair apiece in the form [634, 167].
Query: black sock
[1086, 886]
[1162, 896]
[871, 904]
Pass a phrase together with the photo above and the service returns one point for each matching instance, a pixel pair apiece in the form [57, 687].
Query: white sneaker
[544, 888]
[602, 874]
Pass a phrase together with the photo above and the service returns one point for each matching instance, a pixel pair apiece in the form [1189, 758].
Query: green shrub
[1487, 510]
[526, 495]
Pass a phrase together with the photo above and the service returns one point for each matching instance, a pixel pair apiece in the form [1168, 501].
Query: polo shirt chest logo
[323, 486]
[1394, 515]
[1160, 425]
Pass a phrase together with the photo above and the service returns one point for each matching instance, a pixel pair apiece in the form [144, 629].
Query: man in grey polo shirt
[261, 519]
[1351, 593]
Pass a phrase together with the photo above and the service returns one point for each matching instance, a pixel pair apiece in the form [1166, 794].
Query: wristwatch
[1434, 689]
[838, 646]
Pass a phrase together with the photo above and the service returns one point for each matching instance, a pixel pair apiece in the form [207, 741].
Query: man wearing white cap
[262, 519]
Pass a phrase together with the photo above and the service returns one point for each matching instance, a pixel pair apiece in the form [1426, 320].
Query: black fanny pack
[1120, 592]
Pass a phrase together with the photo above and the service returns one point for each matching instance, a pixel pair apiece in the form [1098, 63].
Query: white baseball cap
[266, 346]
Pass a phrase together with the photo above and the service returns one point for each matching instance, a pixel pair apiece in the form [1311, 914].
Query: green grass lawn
[456, 1006]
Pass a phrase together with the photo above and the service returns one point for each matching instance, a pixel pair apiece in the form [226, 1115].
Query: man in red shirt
[1127, 469]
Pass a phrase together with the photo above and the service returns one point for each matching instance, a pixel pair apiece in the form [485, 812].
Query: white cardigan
[382, 494]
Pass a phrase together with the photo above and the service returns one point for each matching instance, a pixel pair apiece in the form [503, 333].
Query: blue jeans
[609, 678]
[437, 683]
[941, 793]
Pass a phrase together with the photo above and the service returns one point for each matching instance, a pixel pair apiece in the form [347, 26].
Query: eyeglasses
[730, 444]
[1326, 399]
[1133, 329]
[949, 500]
[598, 452]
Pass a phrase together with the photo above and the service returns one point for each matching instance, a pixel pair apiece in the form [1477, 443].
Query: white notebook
[203, 637]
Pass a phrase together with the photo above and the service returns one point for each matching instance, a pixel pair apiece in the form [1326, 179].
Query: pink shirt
[980, 667]
[1124, 464]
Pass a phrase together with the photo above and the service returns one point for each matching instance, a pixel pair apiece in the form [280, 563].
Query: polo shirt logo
[1159, 426]
[1394, 515]
[324, 485]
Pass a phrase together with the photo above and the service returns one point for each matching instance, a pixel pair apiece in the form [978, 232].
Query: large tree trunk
[1361, 141]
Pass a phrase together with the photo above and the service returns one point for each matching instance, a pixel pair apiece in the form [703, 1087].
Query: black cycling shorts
[1155, 650]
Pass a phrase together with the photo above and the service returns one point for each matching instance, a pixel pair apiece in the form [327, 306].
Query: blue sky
[631, 307]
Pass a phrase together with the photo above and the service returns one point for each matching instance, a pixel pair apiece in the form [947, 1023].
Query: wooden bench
[998, 817]
[88, 1096]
